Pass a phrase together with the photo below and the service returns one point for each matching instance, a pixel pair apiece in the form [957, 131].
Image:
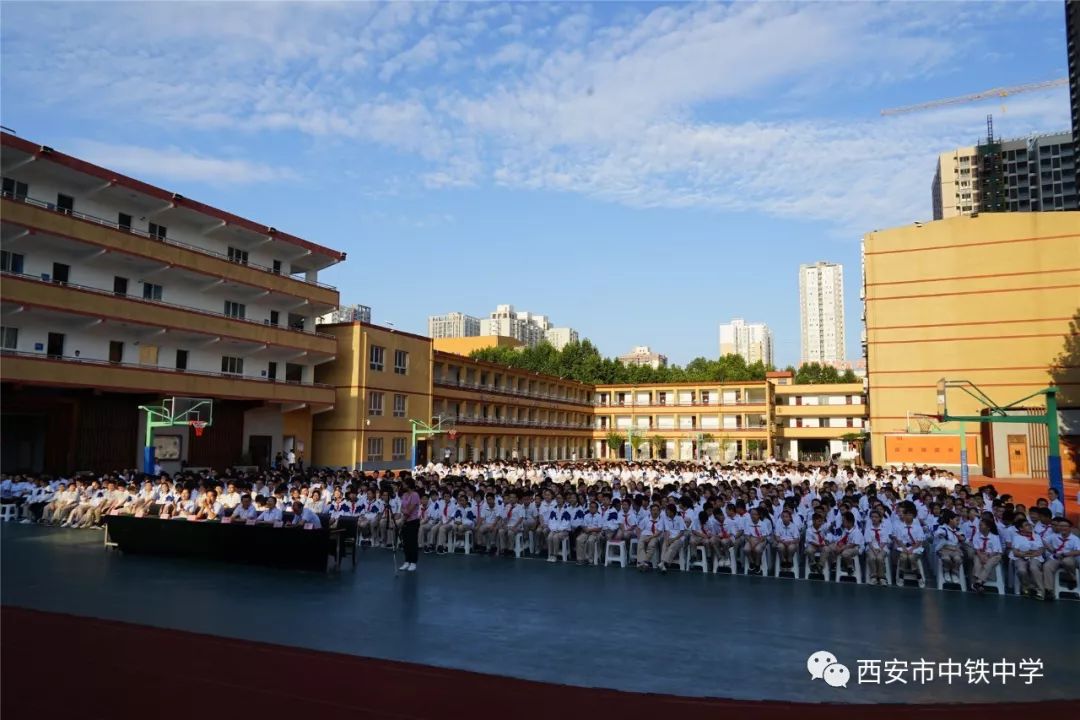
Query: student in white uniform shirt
[846, 543]
[559, 523]
[987, 548]
[815, 541]
[590, 534]
[430, 519]
[1063, 552]
[272, 514]
[948, 544]
[675, 533]
[462, 520]
[612, 520]
[231, 498]
[511, 522]
[757, 540]
[303, 516]
[650, 538]
[878, 539]
[1027, 558]
[909, 537]
[547, 504]
[488, 527]
[786, 538]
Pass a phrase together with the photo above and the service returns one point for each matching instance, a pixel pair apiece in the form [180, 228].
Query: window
[397, 450]
[116, 351]
[375, 403]
[851, 422]
[399, 405]
[55, 346]
[374, 448]
[237, 255]
[274, 318]
[14, 188]
[11, 262]
[235, 310]
[150, 291]
[124, 221]
[9, 338]
[181, 359]
[277, 267]
[401, 362]
[65, 203]
[61, 273]
[119, 285]
[157, 231]
[376, 357]
[232, 365]
[294, 373]
[271, 370]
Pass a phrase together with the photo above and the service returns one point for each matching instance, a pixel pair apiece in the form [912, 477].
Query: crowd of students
[766, 519]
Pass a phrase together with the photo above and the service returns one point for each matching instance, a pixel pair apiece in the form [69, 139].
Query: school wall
[987, 299]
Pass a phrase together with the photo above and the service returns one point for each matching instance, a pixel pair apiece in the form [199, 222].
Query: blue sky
[638, 171]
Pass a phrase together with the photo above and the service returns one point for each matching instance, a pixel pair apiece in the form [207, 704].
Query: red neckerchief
[509, 512]
[1062, 545]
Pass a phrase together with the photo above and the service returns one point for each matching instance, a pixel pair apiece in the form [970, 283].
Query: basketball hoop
[198, 426]
[452, 434]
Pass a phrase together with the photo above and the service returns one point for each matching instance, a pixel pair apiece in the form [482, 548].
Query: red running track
[72, 667]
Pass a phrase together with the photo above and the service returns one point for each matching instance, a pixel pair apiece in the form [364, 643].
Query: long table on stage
[282, 547]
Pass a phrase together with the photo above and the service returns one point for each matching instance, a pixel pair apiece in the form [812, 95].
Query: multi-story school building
[117, 293]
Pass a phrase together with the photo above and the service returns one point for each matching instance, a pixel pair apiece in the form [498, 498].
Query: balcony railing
[186, 308]
[519, 422]
[692, 403]
[157, 238]
[158, 368]
[448, 382]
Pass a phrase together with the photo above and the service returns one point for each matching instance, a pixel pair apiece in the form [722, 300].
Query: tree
[657, 443]
[703, 440]
[615, 441]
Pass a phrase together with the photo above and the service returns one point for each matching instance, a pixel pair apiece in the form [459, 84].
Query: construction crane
[1000, 92]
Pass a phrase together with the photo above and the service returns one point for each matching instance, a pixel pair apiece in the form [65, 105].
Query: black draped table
[284, 547]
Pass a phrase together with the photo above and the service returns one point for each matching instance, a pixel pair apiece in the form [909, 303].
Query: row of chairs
[737, 562]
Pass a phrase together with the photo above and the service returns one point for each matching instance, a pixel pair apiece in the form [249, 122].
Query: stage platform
[684, 635]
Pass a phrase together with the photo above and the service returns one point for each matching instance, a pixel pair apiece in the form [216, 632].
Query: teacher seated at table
[303, 516]
[209, 507]
[245, 511]
[272, 514]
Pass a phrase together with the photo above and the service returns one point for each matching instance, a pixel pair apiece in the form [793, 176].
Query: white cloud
[177, 165]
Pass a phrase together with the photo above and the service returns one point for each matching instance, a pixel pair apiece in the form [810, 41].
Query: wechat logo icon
[823, 665]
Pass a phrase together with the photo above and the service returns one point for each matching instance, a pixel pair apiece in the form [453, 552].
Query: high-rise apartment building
[526, 327]
[117, 293]
[1072, 43]
[1032, 174]
[753, 341]
[452, 325]
[821, 312]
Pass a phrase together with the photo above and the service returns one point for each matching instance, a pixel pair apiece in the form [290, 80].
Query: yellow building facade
[382, 379]
[987, 299]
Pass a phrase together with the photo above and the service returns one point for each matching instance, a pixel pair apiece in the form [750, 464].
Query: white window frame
[376, 358]
[401, 404]
[401, 362]
[374, 449]
[399, 448]
[375, 403]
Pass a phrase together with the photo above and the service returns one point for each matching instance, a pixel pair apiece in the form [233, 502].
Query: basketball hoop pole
[421, 429]
[999, 414]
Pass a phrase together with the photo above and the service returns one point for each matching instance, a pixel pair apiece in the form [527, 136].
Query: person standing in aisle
[410, 532]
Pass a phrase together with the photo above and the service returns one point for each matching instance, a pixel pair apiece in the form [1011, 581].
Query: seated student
[629, 527]
[230, 498]
[304, 515]
[430, 517]
[543, 511]
[449, 504]
[315, 502]
[650, 538]
[611, 525]
[530, 512]
[1027, 558]
[245, 511]
[336, 503]
[815, 541]
[590, 534]
[559, 523]
[81, 516]
[987, 552]
[369, 519]
[65, 497]
[878, 539]
[462, 520]
[948, 544]
[908, 537]
[675, 532]
[786, 537]
[1063, 552]
[703, 531]
[272, 514]
[846, 544]
[757, 539]
[487, 528]
[511, 522]
[1056, 506]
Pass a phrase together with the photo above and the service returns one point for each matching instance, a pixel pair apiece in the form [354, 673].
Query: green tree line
[581, 361]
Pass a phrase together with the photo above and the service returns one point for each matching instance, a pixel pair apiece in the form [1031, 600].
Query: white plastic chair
[807, 567]
[839, 573]
[465, 539]
[725, 561]
[939, 570]
[615, 552]
[766, 559]
[998, 583]
[701, 559]
[519, 544]
[796, 559]
[1059, 586]
[8, 512]
[888, 570]
[921, 566]
[632, 550]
